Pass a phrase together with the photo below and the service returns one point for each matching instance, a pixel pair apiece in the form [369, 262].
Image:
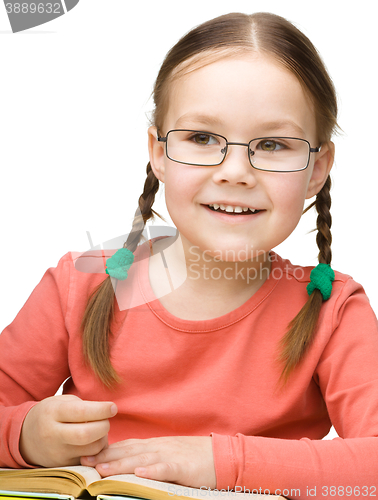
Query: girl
[232, 378]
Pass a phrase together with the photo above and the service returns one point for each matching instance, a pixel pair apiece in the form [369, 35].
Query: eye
[204, 139]
[270, 145]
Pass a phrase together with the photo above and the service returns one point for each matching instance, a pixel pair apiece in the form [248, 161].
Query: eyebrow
[198, 118]
[265, 127]
[281, 125]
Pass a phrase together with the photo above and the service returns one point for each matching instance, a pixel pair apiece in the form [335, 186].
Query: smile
[231, 209]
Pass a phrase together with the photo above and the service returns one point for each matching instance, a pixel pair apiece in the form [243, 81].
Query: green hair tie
[119, 263]
[322, 277]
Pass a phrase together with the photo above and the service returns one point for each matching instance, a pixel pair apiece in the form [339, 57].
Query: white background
[74, 101]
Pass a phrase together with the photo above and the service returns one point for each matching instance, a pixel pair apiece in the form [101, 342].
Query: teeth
[229, 208]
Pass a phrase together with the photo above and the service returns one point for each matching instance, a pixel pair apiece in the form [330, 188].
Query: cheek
[289, 196]
[181, 185]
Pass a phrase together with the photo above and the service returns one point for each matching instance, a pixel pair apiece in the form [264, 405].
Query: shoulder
[90, 266]
[302, 273]
[295, 278]
[345, 319]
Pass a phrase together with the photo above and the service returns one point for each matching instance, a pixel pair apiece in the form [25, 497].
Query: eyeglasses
[204, 149]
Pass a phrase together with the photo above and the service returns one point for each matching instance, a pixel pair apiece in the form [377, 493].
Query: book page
[80, 474]
[147, 488]
[88, 473]
[21, 495]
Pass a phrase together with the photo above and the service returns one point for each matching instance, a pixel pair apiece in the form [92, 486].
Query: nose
[236, 167]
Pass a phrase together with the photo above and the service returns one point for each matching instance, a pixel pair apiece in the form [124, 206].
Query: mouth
[232, 210]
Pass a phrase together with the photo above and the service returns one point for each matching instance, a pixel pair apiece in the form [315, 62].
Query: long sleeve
[33, 358]
[216, 376]
[347, 376]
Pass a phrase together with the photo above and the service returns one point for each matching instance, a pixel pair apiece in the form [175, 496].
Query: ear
[156, 151]
[322, 167]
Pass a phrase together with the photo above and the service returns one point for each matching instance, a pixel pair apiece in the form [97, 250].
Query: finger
[154, 443]
[82, 434]
[126, 465]
[92, 448]
[108, 455]
[163, 471]
[112, 453]
[84, 411]
[105, 455]
[126, 442]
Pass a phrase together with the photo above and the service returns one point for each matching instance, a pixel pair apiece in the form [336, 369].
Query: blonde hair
[224, 36]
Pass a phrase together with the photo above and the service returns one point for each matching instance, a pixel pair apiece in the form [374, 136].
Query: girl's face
[241, 98]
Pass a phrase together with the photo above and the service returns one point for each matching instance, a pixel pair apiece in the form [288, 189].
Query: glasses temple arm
[160, 139]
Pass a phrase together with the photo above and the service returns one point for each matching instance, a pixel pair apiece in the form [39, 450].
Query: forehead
[240, 94]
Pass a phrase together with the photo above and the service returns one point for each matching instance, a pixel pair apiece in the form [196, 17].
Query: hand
[58, 430]
[186, 460]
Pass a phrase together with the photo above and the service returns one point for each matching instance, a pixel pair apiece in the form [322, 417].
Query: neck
[212, 271]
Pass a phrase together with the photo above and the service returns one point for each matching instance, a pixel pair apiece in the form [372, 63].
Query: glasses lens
[195, 148]
[279, 154]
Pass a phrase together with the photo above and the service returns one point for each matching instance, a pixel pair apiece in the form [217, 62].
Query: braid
[144, 212]
[324, 223]
[99, 312]
[302, 328]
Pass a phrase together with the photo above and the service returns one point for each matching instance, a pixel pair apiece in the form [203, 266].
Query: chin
[227, 251]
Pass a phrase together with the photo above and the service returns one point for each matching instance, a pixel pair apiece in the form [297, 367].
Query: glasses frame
[310, 149]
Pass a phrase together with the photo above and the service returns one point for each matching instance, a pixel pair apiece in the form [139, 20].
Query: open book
[78, 480]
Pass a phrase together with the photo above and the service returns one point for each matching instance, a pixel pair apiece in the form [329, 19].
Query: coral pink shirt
[217, 376]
